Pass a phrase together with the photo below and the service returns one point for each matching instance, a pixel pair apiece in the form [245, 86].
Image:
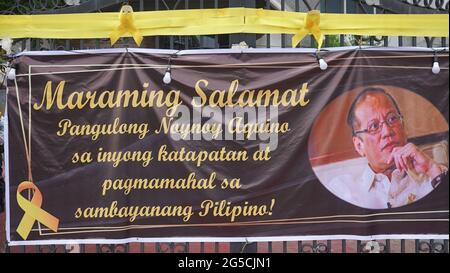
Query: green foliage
[333, 41]
[353, 40]
[3, 60]
[6, 4]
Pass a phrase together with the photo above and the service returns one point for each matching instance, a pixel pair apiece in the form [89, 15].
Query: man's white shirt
[375, 191]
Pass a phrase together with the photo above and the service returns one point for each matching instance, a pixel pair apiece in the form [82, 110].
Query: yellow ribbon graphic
[311, 25]
[33, 211]
[127, 25]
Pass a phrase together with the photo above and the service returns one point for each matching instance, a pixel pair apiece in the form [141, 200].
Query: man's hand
[410, 157]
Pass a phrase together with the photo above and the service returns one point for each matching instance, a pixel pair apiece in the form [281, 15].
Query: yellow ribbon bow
[33, 211]
[126, 25]
[311, 25]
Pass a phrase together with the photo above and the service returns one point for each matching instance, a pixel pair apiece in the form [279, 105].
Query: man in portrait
[398, 172]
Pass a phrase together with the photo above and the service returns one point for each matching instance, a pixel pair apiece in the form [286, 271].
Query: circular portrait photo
[380, 147]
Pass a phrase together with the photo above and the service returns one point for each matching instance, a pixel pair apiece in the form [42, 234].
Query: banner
[225, 145]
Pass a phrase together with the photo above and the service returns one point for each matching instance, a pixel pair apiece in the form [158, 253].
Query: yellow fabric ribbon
[219, 21]
[126, 25]
[311, 25]
[33, 211]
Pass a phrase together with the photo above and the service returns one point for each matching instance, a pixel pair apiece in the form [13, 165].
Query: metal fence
[329, 246]
[226, 41]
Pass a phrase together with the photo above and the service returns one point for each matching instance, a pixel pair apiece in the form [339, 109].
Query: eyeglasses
[374, 127]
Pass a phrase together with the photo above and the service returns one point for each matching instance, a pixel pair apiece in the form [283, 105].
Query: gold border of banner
[247, 224]
[237, 65]
[305, 220]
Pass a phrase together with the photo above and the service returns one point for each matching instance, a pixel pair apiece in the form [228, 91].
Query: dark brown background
[288, 176]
